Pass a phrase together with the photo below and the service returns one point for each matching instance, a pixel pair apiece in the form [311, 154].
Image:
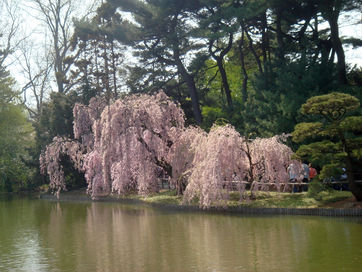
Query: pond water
[40, 235]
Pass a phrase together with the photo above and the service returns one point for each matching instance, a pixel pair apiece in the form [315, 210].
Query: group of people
[308, 172]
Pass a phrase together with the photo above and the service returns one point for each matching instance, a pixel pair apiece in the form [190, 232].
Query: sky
[351, 26]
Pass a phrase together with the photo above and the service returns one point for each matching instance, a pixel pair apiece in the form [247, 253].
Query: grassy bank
[261, 200]
[322, 199]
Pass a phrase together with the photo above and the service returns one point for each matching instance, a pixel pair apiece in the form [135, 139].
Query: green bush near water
[315, 189]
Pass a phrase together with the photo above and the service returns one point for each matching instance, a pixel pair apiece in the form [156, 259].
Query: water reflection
[20, 245]
[50, 236]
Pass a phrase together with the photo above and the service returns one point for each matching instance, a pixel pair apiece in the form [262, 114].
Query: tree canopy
[336, 140]
[16, 137]
[251, 64]
[126, 146]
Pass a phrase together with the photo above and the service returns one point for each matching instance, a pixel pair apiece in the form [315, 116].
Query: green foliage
[16, 137]
[281, 90]
[331, 170]
[211, 115]
[321, 153]
[341, 145]
[15, 176]
[355, 76]
[306, 130]
[356, 147]
[213, 98]
[56, 120]
[320, 198]
[315, 188]
[278, 55]
[352, 123]
[332, 106]
[7, 93]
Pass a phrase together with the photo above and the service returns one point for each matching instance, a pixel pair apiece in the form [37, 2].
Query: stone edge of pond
[334, 212]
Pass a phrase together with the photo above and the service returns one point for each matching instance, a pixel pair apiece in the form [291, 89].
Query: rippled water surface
[39, 235]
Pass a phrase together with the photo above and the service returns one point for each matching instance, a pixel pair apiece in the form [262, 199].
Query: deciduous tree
[15, 137]
[122, 147]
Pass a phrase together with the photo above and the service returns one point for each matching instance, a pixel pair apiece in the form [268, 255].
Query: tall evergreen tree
[336, 138]
[159, 33]
[97, 69]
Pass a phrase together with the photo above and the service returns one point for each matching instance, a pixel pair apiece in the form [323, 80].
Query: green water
[39, 235]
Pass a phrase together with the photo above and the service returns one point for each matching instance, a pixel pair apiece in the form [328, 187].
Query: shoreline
[241, 210]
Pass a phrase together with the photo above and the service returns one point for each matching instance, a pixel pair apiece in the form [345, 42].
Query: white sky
[351, 26]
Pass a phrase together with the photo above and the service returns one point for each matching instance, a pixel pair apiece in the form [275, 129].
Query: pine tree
[338, 141]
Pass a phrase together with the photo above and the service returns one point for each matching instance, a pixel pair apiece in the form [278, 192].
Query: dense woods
[249, 64]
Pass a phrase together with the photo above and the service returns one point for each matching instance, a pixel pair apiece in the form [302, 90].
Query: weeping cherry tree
[122, 148]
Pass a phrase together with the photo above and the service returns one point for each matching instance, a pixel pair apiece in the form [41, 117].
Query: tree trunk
[337, 46]
[194, 97]
[280, 49]
[331, 13]
[252, 49]
[265, 40]
[190, 82]
[219, 60]
[244, 91]
[225, 82]
[355, 188]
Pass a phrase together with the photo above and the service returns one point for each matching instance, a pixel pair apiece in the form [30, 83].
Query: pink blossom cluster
[85, 118]
[182, 153]
[218, 160]
[129, 140]
[271, 158]
[50, 160]
[121, 148]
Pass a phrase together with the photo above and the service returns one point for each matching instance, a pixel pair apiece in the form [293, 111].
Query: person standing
[312, 172]
[305, 173]
[293, 174]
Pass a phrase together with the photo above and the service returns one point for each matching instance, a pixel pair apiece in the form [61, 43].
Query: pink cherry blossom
[123, 146]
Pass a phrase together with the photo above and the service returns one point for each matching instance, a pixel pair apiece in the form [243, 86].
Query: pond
[40, 235]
